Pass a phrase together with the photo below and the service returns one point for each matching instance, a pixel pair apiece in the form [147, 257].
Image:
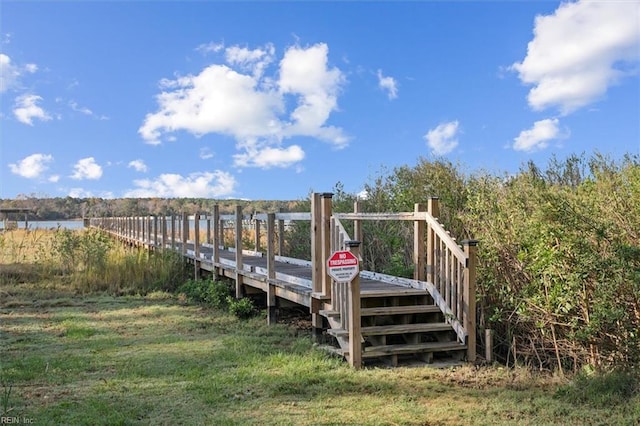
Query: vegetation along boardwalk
[371, 316]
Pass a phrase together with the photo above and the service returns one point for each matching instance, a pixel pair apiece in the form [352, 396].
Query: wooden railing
[442, 267]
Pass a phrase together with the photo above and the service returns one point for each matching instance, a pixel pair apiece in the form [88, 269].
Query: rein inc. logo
[7, 420]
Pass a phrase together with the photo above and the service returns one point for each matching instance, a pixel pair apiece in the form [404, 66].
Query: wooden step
[395, 329]
[376, 351]
[399, 310]
[392, 292]
[380, 351]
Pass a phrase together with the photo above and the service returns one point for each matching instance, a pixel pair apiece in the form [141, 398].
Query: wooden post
[469, 313]
[280, 235]
[185, 232]
[173, 232]
[215, 258]
[419, 248]
[221, 229]
[155, 231]
[256, 230]
[357, 224]
[316, 244]
[316, 267]
[164, 232]
[196, 245]
[149, 223]
[325, 237]
[208, 237]
[488, 348]
[355, 335]
[239, 264]
[272, 301]
[433, 208]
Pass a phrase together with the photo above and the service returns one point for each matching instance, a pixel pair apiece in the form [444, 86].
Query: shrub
[242, 308]
[209, 292]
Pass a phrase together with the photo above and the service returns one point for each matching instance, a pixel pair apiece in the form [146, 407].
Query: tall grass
[89, 261]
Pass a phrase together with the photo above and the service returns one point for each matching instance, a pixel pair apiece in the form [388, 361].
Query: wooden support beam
[173, 232]
[256, 230]
[357, 224]
[164, 232]
[216, 239]
[325, 237]
[272, 300]
[239, 264]
[196, 245]
[355, 335]
[317, 269]
[469, 315]
[419, 246]
[433, 208]
[185, 232]
[316, 244]
[280, 236]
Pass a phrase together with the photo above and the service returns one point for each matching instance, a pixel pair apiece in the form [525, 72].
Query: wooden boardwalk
[372, 316]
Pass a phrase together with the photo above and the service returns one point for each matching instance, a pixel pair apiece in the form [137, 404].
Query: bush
[242, 308]
[209, 292]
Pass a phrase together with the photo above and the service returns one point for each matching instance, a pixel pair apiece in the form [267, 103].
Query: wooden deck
[374, 316]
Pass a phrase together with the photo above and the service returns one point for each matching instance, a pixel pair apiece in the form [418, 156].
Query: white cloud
[211, 47]
[205, 185]
[79, 193]
[87, 168]
[83, 110]
[31, 167]
[9, 73]
[26, 109]
[54, 178]
[251, 107]
[254, 61]
[579, 51]
[268, 157]
[205, 153]
[305, 72]
[388, 84]
[138, 166]
[538, 137]
[444, 138]
[218, 100]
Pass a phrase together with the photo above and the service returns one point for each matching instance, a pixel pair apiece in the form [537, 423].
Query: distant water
[49, 224]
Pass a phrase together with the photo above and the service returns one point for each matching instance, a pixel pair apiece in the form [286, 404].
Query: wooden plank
[404, 328]
[376, 351]
[400, 310]
[378, 216]
[386, 330]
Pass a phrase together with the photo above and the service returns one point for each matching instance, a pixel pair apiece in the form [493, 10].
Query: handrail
[444, 269]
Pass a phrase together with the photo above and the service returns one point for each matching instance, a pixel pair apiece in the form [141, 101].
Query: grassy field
[96, 359]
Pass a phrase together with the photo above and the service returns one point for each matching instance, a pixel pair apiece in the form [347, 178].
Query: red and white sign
[343, 266]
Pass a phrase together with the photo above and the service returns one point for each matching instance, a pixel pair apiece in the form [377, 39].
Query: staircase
[398, 328]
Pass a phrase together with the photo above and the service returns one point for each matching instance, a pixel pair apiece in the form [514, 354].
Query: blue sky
[272, 100]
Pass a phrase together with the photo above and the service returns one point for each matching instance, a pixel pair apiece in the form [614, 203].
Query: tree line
[65, 208]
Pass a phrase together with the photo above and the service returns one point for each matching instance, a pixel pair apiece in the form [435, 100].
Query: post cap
[471, 243]
[326, 194]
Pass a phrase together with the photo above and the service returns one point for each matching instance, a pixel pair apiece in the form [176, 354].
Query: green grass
[104, 360]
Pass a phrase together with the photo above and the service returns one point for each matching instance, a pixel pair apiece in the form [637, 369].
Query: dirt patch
[299, 318]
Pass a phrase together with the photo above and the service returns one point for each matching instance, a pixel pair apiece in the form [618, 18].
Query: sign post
[344, 267]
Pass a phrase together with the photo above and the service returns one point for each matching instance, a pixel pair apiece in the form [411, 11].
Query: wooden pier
[372, 317]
